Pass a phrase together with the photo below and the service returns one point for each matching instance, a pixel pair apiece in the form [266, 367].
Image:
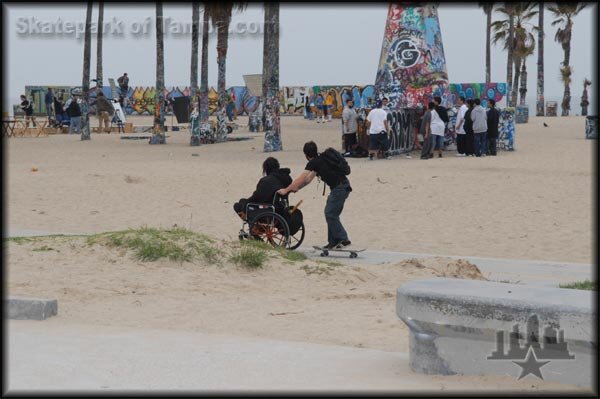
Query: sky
[329, 44]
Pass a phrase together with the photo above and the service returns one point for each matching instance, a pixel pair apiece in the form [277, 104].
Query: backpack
[336, 161]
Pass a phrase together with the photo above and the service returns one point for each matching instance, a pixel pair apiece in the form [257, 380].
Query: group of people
[324, 108]
[60, 112]
[277, 180]
[378, 128]
[476, 128]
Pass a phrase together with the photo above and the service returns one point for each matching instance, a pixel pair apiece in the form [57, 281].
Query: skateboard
[325, 251]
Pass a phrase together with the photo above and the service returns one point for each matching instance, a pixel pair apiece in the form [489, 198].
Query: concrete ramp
[470, 327]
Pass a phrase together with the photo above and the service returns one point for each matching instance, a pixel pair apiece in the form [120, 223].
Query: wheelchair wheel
[297, 238]
[271, 228]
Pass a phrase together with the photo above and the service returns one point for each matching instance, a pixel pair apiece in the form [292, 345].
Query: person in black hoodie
[274, 179]
[468, 126]
[493, 118]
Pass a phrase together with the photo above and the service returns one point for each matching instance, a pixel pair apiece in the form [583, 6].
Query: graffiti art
[412, 65]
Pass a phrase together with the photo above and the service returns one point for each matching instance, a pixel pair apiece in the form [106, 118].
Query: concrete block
[30, 308]
[464, 326]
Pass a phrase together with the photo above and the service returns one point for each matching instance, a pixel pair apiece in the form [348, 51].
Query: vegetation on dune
[150, 244]
[581, 285]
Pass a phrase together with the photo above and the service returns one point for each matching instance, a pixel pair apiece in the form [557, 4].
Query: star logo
[531, 365]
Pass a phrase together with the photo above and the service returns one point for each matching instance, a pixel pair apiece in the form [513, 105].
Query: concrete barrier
[30, 308]
[464, 326]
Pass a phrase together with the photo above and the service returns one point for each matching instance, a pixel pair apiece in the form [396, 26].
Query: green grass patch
[150, 244]
[249, 256]
[292, 256]
[581, 285]
[44, 248]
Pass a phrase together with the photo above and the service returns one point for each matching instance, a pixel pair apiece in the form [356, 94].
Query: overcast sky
[319, 44]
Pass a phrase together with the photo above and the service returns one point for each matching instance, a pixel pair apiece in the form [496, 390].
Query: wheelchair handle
[295, 207]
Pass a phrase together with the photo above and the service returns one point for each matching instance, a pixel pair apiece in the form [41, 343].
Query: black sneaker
[328, 246]
[341, 244]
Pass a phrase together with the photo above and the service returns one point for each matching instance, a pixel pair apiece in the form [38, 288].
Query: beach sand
[533, 203]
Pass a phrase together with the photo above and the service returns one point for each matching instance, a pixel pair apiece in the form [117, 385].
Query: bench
[472, 327]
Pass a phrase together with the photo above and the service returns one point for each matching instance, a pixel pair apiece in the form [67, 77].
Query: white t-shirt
[461, 117]
[437, 124]
[377, 117]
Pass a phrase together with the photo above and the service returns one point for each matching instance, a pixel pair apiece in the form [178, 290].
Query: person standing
[320, 111]
[349, 126]
[378, 126]
[318, 165]
[59, 112]
[104, 111]
[328, 109]
[49, 102]
[479, 118]
[459, 128]
[123, 84]
[425, 130]
[468, 127]
[74, 112]
[27, 107]
[437, 129]
[493, 119]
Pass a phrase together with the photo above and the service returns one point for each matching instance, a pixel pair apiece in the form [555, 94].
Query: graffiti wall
[292, 99]
[412, 65]
[482, 91]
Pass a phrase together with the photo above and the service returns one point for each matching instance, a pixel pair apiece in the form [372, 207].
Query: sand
[533, 203]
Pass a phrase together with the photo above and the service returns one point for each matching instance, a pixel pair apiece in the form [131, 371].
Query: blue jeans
[438, 142]
[333, 209]
[75, 125]
[477, 145]
[483, 146]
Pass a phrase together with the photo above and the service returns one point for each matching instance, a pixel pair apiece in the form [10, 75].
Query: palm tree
[584, 97]
[99, 45]
[540, 63]
[523, 53]
[271, 78]
[222, 18]
[522, 42]
[158, 137]
[209, 9]
[85, 82]
[564, 14]
[487, 9]
[194, 63]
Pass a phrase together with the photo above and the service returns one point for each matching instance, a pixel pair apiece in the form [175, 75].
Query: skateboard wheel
[353, 254]
[324, 253]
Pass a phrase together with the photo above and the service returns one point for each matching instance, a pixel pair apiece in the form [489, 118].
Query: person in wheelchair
[274, 178]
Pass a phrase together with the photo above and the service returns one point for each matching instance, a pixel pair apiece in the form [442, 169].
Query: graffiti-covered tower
[412, 65]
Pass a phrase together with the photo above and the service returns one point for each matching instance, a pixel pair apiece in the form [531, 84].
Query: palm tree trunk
[159, 107]
[85, 82]
[488, 56]
[566, 102]
[204, 72]
[510, 62]
[515, 86]
[222, 43]
[271, 78]
[194, 63]
[99, 76]
[523, 88]
[540, 64]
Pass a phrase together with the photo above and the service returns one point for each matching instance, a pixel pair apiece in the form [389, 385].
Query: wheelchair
[277, 223]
